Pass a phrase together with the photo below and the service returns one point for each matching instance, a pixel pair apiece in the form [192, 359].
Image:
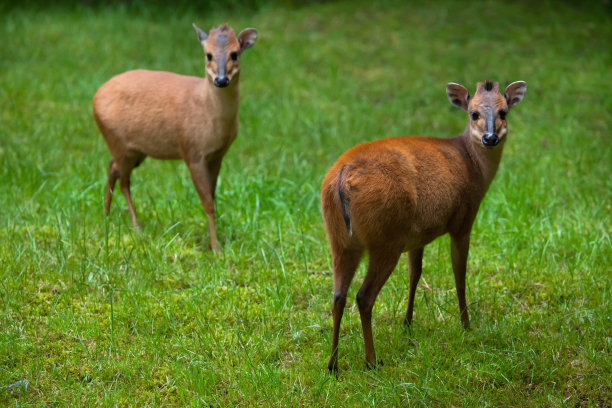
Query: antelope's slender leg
[113, 175]
[382, 263]
[459, 255]
[202, 179]
[415, 258]
[345, 263]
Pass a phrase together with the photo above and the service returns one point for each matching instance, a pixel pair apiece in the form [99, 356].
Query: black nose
[490, 139]
[221, 82]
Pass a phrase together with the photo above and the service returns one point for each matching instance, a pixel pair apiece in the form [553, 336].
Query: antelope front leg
[460, 247]
[416, 267]
[202, 179]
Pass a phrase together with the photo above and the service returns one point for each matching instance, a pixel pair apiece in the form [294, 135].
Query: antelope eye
[474, 115]
[209, 56]
[234, 56]
[502, 115]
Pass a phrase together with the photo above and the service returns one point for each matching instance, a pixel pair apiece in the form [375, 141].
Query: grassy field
[93, 313]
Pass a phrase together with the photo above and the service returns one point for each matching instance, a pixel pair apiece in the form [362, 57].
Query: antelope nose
[490, 139]
[221, 81]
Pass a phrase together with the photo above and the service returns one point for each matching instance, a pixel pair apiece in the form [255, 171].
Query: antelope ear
[202, 36]
[458, 95]
[515, 92]
[247, 38]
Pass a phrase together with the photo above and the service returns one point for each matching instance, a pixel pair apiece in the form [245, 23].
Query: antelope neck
[486, 160]
[225, 99]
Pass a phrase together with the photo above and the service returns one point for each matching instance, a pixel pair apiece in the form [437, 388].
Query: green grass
[94, 314]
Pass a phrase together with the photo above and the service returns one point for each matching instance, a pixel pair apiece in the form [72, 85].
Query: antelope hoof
[374, 365]
[408, 327]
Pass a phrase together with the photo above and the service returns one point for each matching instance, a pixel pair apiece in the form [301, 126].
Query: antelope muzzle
[221, 81]
[490, 138]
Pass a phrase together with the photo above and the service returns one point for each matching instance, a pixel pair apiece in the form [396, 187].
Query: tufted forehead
[487, 93]
[222, 36]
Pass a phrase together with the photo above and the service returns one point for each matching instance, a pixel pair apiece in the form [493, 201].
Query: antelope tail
[344, 201]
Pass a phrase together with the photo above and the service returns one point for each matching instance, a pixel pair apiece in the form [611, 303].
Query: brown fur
[399, 194]
[169, 116]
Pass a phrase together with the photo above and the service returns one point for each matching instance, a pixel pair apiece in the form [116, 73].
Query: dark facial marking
[488, 85]
[489, 121]
[221, 65]
[221, 40]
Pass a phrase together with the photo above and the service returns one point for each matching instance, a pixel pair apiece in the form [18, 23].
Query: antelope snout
[490, 139]
[221, 81]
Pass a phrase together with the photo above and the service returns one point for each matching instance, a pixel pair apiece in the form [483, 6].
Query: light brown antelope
[398, 194]
[169, 116]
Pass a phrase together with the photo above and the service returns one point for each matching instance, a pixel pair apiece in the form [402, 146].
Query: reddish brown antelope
[398, 194]
[169, 116]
